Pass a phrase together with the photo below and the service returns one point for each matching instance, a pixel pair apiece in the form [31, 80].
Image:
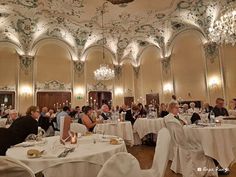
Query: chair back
[161, 156]
[78, 128]
[121, 164]
[177, 134]
[11, 168]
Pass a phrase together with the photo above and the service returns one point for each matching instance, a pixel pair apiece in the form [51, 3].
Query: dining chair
[124, 164]
[79, 128]
[189, 159]
[120, 165]
[161, 156]
[10, 167]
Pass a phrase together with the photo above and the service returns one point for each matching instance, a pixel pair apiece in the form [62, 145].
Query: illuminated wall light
[168, 88]
[79, 91]
[214, 82]
[26, 90]
[119, 91]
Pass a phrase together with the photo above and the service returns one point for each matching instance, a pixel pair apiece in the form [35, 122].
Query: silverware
[66, 152]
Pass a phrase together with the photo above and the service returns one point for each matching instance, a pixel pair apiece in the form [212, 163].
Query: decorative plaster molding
[8, 88]
[99, 87]
[211, 51]
[136, 70]
[26, 63]
[53, 85]
[118, 70]
[166, 64]
[79, 67]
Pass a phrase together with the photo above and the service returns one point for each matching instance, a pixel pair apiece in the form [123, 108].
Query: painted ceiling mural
[128, 29]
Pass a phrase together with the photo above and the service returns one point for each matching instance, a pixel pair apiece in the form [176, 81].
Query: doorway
[53, 100]
[98, 98]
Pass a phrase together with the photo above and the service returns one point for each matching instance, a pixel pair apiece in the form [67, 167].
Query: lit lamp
[26, 90]
[119, 91]
[79, 92]
[167, 88]
[214, 82]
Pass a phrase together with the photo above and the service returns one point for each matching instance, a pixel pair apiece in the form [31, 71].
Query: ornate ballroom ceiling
[128, 28]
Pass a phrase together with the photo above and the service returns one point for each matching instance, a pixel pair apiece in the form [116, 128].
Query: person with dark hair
[19, 129]
[65, 112]
[142, 111]
[163, 110]
[87, 120]
[195, 118]
[132, 114]
[219, 109]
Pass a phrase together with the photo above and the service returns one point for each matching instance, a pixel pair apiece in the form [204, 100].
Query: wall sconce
[119, 91]
[167, 88]
[79, 92]
[214, 82]
[26, 90]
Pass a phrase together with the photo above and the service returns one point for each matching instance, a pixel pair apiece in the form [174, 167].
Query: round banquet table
[120, 129]
[144, 126]
[217, 142]
[85, 161]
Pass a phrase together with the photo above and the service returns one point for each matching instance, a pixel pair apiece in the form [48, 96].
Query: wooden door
[53, 100]
[129, 101]
[153, 99]
[98, 98]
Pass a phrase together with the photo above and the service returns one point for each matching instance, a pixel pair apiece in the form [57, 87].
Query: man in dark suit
[19, 129]
[105, 112]
[132, 114]
[219, 109]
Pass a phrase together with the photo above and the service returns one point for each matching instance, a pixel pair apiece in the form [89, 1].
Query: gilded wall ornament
[26, 63]
[79, 67]
[211, 51]
[136, 70]
[166, 64]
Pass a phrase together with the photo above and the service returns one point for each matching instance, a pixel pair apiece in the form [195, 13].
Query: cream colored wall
[150, 73]
[8, 66]
[229, 65]
[53, 62]
[188, 67]
[189, 71]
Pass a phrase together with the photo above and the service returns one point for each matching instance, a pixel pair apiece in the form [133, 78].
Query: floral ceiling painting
[128, 29]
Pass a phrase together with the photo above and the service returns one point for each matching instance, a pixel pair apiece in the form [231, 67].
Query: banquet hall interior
[113, 88]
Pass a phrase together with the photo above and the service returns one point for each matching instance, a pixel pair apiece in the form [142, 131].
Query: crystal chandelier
[104, 72]
[120, 1]
[223, 31]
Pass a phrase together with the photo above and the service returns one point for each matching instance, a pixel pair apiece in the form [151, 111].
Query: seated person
[173, 116]
[87, 119]
[19, 129]
[142, 111]
[192, 108]
[13, 115]
[195, 118]
[206, 108]
[219, 109]
[105, 114]
[163, 110]
[132, 114]
[185, 108]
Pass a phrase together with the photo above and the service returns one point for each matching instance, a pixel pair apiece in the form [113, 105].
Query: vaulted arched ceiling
[128, 29]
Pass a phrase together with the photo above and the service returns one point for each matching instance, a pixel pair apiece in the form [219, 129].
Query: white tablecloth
[121, 129]
[85, 153]
[217, 142]
[144, 126]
